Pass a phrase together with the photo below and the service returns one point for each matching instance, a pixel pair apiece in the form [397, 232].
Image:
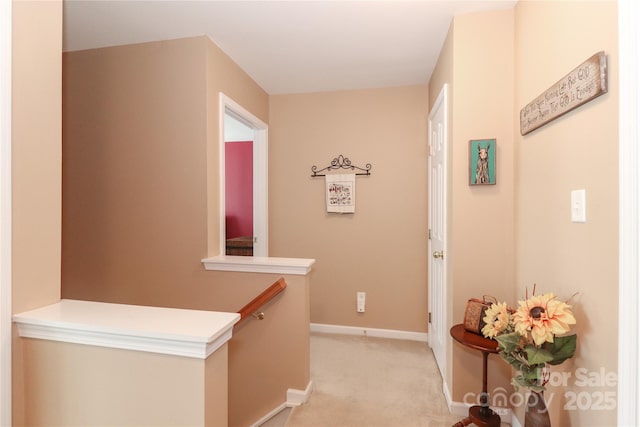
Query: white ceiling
[287, 46]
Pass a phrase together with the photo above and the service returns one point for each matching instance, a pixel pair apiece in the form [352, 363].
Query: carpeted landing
[374, 382]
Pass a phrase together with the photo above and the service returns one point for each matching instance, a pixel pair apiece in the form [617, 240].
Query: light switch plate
[360, 297]
[578, 206]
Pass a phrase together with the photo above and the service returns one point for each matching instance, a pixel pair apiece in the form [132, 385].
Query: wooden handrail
[262, 299]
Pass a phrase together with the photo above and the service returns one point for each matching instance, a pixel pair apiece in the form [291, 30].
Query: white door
[437, 254]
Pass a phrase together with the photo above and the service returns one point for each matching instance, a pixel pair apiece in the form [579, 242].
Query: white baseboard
[269, 415]
[447, 395]
[371, 332]
[294, 398]
[462, 409]
[458, 408]
[515, 422]
[299, 397]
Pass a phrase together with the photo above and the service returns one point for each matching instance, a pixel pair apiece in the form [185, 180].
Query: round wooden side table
[480, 415]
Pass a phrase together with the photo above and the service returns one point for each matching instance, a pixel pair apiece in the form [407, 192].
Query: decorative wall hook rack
[341, 162]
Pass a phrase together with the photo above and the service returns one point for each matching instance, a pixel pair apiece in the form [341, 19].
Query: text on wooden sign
[584, 83]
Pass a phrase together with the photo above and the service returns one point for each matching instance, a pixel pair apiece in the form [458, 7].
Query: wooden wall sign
[581, 85]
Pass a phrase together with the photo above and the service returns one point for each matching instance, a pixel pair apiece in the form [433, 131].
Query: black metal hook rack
[341, 162]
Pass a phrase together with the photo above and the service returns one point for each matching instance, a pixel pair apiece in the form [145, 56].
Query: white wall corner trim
[629, 211]
[178, 332]
[247, 264]
[370, 332]
[294, 398]
[299, 397]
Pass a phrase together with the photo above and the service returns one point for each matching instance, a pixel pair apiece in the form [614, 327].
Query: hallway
[365, 381]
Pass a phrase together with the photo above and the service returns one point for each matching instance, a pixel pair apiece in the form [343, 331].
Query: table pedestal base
[482, 417]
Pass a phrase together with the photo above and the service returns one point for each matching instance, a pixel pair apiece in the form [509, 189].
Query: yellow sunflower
[544, 317]
[496, 319]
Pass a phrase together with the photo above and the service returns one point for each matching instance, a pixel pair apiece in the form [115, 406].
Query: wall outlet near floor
[360, 298]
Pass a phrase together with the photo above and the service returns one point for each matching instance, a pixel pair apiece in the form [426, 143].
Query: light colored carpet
[374, 382]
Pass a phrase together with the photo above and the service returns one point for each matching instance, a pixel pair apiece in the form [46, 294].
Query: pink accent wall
[239, 188]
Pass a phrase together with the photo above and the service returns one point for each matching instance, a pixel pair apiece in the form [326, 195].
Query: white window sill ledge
[189, 333]
[299, 266]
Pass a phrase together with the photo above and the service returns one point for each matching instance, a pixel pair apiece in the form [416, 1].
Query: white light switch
[578, 206]
[360, 297]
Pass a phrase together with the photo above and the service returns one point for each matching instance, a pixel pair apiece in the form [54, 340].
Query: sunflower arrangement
[532, 337]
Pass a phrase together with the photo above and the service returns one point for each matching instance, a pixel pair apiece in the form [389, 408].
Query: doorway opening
[238, 141]
[243, 181]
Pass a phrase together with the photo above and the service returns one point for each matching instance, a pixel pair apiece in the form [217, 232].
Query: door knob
[438, 254]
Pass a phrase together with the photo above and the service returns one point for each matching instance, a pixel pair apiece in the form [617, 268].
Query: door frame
[629, 211]
[5, 213]
[441, 100]
[260, 174]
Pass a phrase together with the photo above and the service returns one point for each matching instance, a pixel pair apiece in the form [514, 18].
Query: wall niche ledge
[247, 264]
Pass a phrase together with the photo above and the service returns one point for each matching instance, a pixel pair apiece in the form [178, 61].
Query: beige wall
[36, 166]
[72, 384]
[216, 388]
[533, 240]
[576, 151]
[139, 126]
[443, 74]
[482, 218]
[134, 177]
[381, 249]
[36, 161]
[140, 198]
[569, 258]
[271, 353]
[477, 63]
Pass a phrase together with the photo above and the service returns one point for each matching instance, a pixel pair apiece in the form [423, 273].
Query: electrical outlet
[360, 298]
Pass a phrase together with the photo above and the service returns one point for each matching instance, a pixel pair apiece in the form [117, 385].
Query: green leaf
[509, 358]
[531, 377]
[519, 381]
[562, 348]
[514, 362]
[538, 388]
[509, 342]
[537, 356]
